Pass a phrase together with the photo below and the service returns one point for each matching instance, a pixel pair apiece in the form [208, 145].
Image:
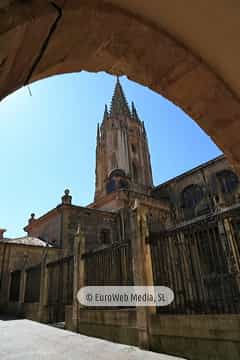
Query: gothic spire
[119, 105]
[134, 113]
[106, 114]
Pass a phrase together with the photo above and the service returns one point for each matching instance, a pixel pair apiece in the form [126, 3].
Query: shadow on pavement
[9, 317]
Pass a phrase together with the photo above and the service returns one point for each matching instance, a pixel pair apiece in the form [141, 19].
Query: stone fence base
[196, 337]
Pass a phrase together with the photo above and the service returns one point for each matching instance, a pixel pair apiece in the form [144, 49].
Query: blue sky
[47, 142]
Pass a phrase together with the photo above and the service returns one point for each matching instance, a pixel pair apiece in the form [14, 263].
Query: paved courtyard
[28, 340]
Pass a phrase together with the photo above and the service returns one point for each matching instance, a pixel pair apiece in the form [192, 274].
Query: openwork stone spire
[121, 144]
[119, 105]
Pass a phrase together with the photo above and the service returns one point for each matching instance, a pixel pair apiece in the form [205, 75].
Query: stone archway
[39, 38]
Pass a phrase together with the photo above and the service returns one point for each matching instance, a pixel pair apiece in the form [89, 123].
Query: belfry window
[111, 186]
[228, 181]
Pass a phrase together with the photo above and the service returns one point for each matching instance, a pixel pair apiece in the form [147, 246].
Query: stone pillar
[78, 275]
[43, 315]
[232, 253]
[228, 242]
[22, 290]
[5, 276]
[142, 270]
[3, 271]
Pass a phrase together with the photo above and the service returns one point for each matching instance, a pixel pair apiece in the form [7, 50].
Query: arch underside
[40, 38]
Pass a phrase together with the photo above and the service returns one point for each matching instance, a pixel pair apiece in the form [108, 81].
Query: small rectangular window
[105, 237]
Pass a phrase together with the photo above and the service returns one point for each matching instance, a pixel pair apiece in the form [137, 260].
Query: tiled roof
[27, 240]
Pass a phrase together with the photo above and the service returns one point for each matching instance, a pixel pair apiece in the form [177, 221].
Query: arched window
[135, 172]
[111, 186]
[191, 196]
[117, 172]
[228, 181]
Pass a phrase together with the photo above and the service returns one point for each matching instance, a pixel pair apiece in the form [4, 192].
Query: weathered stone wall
[115, 325]
[214, 337]
[195, 337]
[92, 222]
[205, 176]
[59, 226]
[48, 228]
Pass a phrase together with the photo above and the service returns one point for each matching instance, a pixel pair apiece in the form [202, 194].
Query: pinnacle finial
[144, 130]
[32, 218]
[98, 131]
[119, 105]
[66, 198]
[105, 114]
[2, 231]
[134, 112]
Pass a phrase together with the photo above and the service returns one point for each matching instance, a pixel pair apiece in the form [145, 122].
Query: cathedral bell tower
[122, 154]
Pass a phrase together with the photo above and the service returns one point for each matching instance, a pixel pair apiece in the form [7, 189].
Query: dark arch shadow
[39, 39]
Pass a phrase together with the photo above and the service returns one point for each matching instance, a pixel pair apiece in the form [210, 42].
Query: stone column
[22, 292]
[142, 270]
[43, 315]
[4, 298]
[78, 275]
[228, 243]
[232, 253]
[23, 278]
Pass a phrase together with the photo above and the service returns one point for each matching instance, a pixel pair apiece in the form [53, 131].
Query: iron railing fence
[200, 263]
[60, 281]
[111, 266]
